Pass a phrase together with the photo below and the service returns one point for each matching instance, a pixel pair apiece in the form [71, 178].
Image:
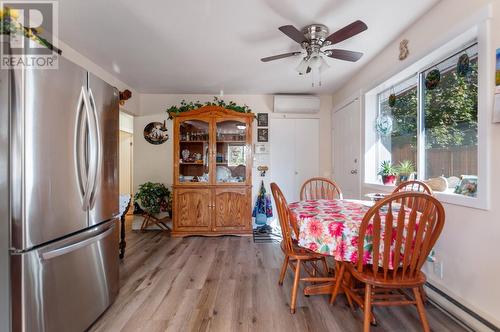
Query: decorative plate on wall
[156, 133]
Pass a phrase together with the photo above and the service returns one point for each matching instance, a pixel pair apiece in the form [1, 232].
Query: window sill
[443, 197]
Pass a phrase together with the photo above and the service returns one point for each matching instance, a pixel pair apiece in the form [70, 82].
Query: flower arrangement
[185, 107]
[9, 25]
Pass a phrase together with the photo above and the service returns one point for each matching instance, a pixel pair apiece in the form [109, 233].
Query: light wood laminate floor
[228, 284]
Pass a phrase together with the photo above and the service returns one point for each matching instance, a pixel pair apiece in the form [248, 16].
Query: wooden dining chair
[296, 257]
[320, 188]
[413, 185]
[410, 233]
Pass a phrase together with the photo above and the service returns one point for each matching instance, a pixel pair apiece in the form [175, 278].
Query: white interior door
[294, 150]
[282, 150]
[306, 151]
[125, 167]
[346, 136]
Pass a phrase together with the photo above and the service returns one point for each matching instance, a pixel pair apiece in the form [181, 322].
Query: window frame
[480, 35]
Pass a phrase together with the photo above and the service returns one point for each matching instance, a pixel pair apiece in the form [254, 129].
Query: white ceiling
[203, 46]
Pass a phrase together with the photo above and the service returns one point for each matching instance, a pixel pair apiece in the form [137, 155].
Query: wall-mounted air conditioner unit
[296, 104]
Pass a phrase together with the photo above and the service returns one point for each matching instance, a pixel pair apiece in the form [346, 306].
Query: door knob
[354, 171]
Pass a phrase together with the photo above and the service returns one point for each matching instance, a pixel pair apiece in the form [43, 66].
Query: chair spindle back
[320, 188]
[409, 224]
[415, 186]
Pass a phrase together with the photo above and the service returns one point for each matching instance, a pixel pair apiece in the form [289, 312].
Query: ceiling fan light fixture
[323, 65]
[313, 39]
[302, 67]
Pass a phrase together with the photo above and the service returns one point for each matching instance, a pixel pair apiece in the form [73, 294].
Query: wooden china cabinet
[212, 172]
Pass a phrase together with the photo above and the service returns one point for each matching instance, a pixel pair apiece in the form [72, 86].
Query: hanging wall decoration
[262, 120]
[156, 133]
[432, 79]
[384, 124]
[463, 65]
[262, 135]
[496, 113]
[124, 96]
[392, 100]
[403, 49]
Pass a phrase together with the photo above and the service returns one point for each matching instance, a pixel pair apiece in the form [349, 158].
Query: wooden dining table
[329, 227]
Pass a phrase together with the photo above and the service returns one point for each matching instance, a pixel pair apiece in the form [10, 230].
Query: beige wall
[154, 163]
[469, 243]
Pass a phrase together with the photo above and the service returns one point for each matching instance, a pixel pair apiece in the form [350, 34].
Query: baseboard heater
[475, 322]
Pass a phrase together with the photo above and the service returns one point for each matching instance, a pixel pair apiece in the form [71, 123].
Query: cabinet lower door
[192, 209]
[232, 209]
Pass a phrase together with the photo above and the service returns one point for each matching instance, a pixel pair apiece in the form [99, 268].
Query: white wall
[154, 163]
[131, 106]
[469, 244]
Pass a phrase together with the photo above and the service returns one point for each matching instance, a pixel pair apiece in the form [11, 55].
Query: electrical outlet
[438, 269]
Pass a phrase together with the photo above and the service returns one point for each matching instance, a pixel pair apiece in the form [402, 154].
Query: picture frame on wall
[262, 120]
[262, 135]
[496, 111]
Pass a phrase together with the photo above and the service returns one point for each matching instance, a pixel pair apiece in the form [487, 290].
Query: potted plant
[152, 197]
[405, 169]
[387, 172]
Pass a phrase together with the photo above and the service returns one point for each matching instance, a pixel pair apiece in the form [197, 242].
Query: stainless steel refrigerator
[58, 198]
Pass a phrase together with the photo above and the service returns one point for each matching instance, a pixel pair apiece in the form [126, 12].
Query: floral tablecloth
[331, 227]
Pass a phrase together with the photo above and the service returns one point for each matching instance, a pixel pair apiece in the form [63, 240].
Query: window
[400, 143]
[431, 120]
[450, 119]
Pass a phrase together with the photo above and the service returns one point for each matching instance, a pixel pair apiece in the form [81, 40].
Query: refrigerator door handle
[81, 145]
[75, 246]
[97, 151]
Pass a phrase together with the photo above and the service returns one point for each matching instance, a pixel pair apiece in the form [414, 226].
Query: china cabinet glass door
[194, 151]
[231, 151]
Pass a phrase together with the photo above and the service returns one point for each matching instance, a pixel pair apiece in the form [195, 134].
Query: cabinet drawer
[232, 209]
[192, 209]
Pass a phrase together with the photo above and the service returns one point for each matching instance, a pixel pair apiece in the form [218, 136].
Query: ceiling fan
[313, 39]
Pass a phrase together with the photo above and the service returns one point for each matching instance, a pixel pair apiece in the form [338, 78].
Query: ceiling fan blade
[344, 55]
[280, 56]
[293, 33]
[347, 32]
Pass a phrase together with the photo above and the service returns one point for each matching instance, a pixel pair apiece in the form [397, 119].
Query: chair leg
[423, 293]
[295, 287]
[421, 309]
[283, 270]
[338, 282]
[367, 308]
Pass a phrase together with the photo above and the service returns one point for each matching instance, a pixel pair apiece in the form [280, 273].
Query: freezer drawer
[67, 285]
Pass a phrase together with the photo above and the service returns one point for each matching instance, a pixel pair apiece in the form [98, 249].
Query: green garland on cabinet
[185, 107]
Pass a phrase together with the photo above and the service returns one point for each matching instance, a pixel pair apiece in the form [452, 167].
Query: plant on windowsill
[404, 170]
[153, 197]
[388, 173]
